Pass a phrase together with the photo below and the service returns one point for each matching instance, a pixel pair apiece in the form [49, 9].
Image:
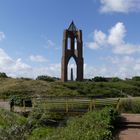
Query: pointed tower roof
[72, 27]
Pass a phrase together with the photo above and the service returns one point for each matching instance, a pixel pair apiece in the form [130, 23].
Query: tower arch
[72, 69]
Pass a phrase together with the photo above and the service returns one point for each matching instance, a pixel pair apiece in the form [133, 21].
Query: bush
[46, 78]
[99, 79]
[40, 133]
[136, 78]
[94, 125]
[3, 75]
[19, 101]
[129, 105]
[12, 126]
[116, 79]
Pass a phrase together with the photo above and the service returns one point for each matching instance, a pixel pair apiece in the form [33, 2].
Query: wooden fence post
[24, 107]
[67, 108]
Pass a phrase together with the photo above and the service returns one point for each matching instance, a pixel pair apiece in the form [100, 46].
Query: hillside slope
[26, 87]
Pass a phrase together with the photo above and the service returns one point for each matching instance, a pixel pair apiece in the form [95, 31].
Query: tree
[99, 79]
[3, 75]
[46, 78]
[116, 79]
[136, 78]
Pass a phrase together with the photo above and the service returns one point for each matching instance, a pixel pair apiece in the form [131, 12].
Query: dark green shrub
[3, 75]
[46, 78]
[136, 78]
[99, 79]
[20, 101]
[17, 100]
[116, 79]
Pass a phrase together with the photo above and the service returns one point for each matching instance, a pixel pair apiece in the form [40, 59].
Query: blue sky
[31, 33]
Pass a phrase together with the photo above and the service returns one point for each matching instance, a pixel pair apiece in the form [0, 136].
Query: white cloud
[50, 70]
[2, 36]
[115, 66]
[11, 66]
[38, 58]
[114, 40]
[20, 66]
[121, 6]
[126, 49]
[17, 68]
[92, 45]
[117, 34]
[100, 37]
[4, 58]
[121, 66]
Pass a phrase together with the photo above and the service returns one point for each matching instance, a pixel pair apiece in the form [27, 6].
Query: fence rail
[67, 104]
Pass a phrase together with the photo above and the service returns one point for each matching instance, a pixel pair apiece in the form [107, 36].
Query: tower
[72, 47]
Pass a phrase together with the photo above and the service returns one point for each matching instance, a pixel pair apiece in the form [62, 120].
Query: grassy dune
[27, 87]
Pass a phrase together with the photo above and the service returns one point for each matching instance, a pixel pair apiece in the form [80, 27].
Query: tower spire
[72, 27]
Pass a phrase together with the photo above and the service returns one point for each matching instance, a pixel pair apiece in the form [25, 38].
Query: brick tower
[74, 49]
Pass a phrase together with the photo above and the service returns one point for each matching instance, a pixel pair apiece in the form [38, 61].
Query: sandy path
[131, 127]
[4, 104]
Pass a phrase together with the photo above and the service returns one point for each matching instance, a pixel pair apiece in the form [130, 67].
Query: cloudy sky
[31, 36]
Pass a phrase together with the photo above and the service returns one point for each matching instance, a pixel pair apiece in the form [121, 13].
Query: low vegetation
[96, 125]
[45, 85]
[129, 105]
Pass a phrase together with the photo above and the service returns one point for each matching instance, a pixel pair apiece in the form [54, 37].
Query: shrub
[116, 79]
[40, 133]
[20, 101]
[12, 126]
[99, 79]
[3, 75]
[46, 78]
[129, 105]
[136, 78]
[94, 125]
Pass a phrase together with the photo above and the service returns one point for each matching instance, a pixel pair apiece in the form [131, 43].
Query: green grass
[8, 119]
[27, 87]
[96, 125]
[40, 133]
[130, 105]
[12, 126]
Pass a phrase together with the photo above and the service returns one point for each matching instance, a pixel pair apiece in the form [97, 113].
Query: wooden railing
[69, 104]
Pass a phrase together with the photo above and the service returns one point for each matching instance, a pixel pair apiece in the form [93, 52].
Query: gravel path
[130, 127]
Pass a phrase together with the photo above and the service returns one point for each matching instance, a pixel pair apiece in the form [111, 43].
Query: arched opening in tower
[72, 70]
[69, 43]
[75, 44]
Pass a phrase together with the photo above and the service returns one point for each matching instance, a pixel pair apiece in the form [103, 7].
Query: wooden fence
[67, 104]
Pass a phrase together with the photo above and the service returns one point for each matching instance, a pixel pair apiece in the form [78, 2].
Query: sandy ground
[4, 104]
[132, 131]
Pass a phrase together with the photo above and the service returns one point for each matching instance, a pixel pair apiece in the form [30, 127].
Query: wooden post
[67, 108]
[94, 102]
[117, 107]
[90, 106]
[12, 104]
[24, 107]
[33, 102]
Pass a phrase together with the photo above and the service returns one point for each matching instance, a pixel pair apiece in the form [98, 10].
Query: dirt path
[130, 127]
[4, 104]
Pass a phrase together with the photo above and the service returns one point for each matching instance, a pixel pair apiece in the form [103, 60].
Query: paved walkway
[130, 127]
